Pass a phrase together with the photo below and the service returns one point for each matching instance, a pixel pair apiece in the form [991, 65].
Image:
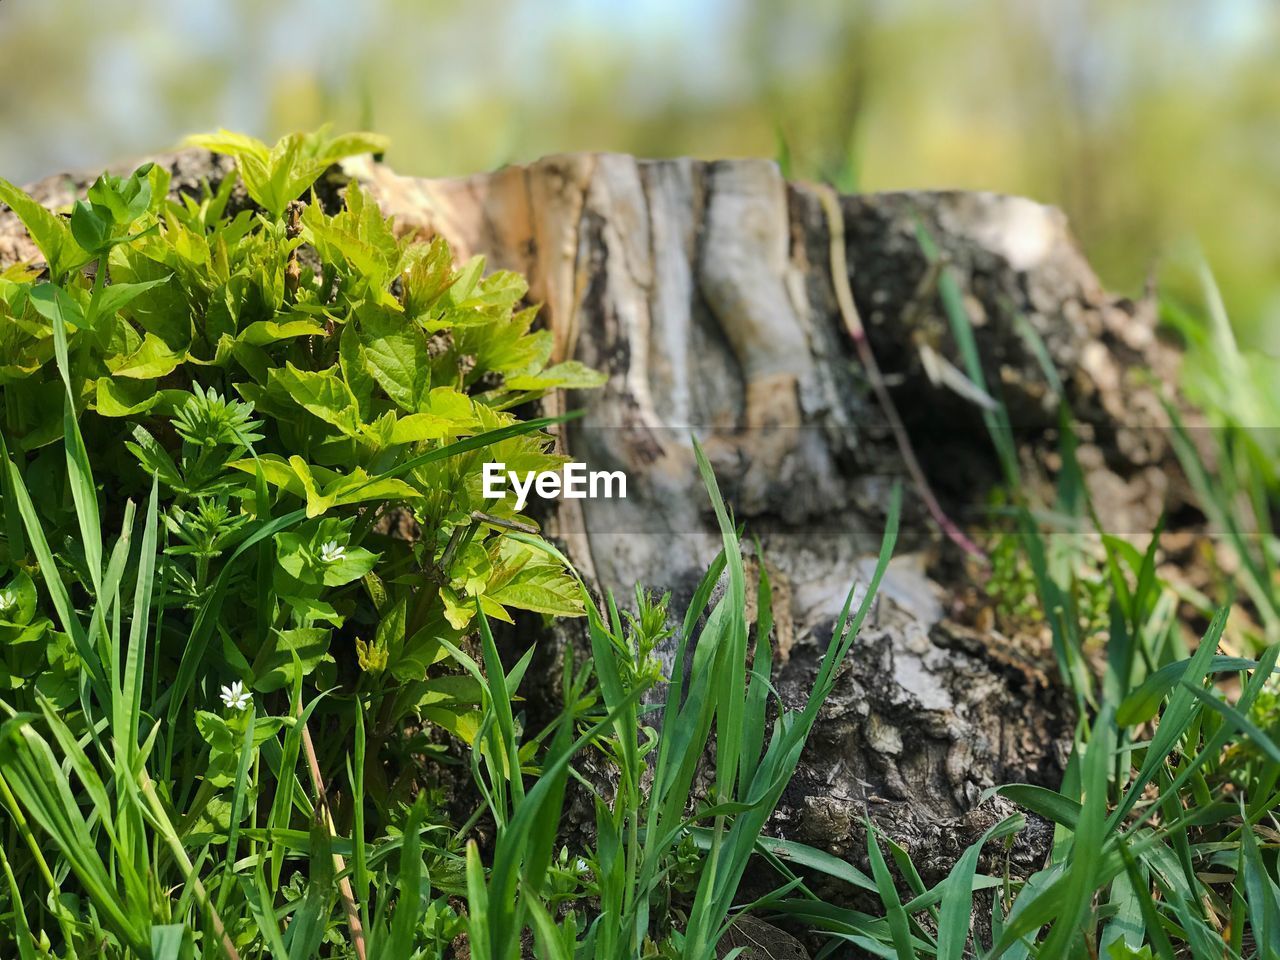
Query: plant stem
[858, 334]
[180, 855]
[19, 821]
[322, 809]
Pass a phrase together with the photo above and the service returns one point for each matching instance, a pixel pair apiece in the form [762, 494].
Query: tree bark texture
[705, 291]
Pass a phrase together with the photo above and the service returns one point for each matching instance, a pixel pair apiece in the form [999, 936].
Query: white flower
[331, 552]
[6, 602]
[236, 697]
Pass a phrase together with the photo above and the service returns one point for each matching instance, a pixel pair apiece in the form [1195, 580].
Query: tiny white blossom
[236, 697]
[330, 551]
[6, 602]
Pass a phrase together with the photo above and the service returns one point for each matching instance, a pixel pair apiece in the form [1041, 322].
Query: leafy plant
[315, 353]
[285, 384]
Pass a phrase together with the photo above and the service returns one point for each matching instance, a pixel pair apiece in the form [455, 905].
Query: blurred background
[1153, 123]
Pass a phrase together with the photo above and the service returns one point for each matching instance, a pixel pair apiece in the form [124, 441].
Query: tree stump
[705, 291]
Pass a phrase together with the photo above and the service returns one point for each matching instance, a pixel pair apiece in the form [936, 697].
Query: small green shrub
[315, 353]
[282, 383]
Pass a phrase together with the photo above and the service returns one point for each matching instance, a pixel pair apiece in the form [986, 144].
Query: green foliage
[1154, 851]
[1231, 461]
[274, 381]
[318, 355]
[275, 176]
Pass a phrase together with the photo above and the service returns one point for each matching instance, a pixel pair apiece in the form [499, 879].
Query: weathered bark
[705, 291]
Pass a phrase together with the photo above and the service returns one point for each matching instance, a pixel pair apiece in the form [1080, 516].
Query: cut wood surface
[704, 290]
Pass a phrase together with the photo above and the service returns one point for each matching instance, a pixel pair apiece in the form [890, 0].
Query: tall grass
[724, 691]
[1233, 461]
[134, 866]
[1170, 784]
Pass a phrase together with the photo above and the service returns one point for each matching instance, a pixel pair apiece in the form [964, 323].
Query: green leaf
[354, 369]
[570, 375]
[84, 491]
[1238, 720]
[1049, 804]
[465, 726]
[302, 557]
[1262, 897]
[21, 931]
[1120, 950]
[171, 941]
[428, 280]
[408, 911]
[957, 902]
[899, 923]
[309, 924]
[276, 470]
[124, 199]
[154, 458]
[292, 654]
[53, 302]
[808, 857]
[18, 599]
[395, 354]
[261, 333]
[1090, 834]
[111, 299]
[49, 232]
[275, 175]
[322, 488]
[91, 228]
[355, 487]
[1144, 703]
[122, 398]
[464, 283]
[417, 427]
[444, 414]
[311, 611]
[324, 394]
[542, 588]
[456, 610]
[151, 361]
[1125, 927]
